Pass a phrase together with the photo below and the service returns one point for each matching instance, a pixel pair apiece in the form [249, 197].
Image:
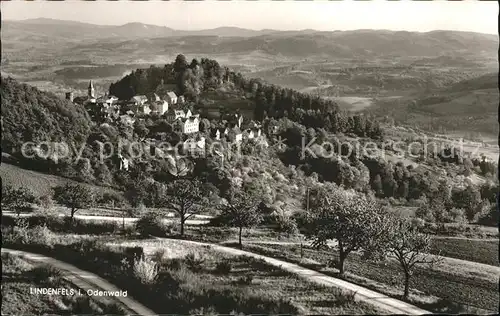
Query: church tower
[91, 90]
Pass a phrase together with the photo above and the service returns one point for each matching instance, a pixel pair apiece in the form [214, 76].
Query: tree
[204, 125]
[241, 210]
[468, 199]
[185, 197]
[84, 170]
[140, 129]
[16, 199]
[178, 167]
[351, 219]
[103, 174]
[377, 185]
[410, 247]
[74, 197]
[180, 66]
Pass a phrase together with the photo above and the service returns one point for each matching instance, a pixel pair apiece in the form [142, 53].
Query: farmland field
[453, 290]
[467, 249]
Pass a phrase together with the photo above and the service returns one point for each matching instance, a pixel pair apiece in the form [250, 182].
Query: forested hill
[198, 77]
[29, 114]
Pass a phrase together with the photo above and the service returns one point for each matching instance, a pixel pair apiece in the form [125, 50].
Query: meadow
[190, 280]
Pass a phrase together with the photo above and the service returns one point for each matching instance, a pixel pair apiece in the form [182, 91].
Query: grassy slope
[38, 183]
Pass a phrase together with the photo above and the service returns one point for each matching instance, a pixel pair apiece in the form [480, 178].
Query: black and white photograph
[249, 157]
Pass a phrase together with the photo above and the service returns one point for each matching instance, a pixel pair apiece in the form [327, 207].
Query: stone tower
[91, 90]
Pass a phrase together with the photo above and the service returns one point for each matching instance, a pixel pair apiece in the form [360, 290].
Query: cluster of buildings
[109, 108]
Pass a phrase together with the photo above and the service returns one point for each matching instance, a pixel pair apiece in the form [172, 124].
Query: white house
[190, 125]
[171, 97]
[138, 100]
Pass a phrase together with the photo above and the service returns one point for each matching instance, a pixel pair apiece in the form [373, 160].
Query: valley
[343, 172]
[384, 79]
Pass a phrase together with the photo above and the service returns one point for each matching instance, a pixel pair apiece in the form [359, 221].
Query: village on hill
[231, 128]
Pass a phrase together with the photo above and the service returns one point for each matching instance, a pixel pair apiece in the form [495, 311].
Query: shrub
[223, 267]
[425, 213]
[45, 201]
[47, 274]
[417, 222]
[145, 270]
[112, 199]
[457, 215]
[159, 256]
[287, 225]
[17, 234]
[194, 262]
[15, 262]
[151, 224]
[42, 235]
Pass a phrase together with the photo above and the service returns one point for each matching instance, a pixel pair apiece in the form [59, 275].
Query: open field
[353, 104]
[482, 251]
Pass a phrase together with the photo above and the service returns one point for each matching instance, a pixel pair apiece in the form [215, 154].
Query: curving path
[203, 219]
[378, 300]
[444, 262]
[85, 281]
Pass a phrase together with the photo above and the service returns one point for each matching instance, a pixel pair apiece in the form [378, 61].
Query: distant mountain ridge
[153, 40]
[128, 30]
[150, 30]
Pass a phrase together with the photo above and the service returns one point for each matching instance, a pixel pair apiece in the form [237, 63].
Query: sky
[467, 15]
